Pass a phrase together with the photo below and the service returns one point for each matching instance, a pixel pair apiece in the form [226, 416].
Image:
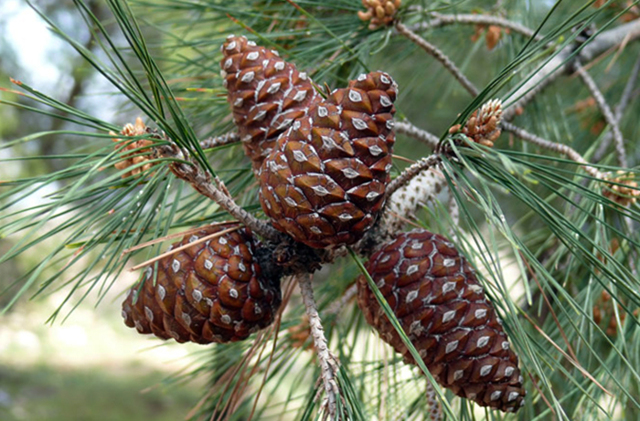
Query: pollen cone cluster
[441, 307]
[138, 148]
[625, 192]
[482, 126]
[212, 291]
[266, 94]
[379, 12]
[324, 182]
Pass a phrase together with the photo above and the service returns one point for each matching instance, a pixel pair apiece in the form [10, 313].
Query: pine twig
[172, 236]
[619, 110]
[606, 112]
[325, 359]
[215, 141]
[438, 55]
[454, 213]
[440, 20]
[435, 410]
[561, 64]
[411, 172]
[201, 182]
[184, 247]
[555, 147]
[336, 307]
[408, 129]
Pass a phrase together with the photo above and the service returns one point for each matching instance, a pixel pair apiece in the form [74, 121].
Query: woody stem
[202, 183]
[325, 358]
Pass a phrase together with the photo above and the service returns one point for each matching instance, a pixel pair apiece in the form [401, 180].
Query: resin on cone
[266, 94]
[324, 182]
[213, 291]
[436, 297]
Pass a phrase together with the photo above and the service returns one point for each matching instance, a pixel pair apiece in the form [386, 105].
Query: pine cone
[441, 306]
[324, 182]
[139, 147]
[266, 93]
[213, 291]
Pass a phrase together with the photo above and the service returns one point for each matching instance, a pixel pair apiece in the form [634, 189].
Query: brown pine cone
[214, 291]
[266, 93]
[441, 306]
[324, 182]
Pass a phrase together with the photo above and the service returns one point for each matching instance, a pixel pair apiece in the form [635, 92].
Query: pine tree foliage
[556, 254]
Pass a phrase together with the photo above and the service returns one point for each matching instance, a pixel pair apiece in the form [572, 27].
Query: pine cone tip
[266, 93]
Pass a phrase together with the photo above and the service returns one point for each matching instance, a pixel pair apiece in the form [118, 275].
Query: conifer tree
[379, 210]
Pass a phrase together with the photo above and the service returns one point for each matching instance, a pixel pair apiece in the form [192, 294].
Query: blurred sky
[32, 42]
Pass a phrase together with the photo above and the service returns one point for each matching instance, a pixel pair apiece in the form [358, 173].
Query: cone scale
[213, 291]
[440, 305]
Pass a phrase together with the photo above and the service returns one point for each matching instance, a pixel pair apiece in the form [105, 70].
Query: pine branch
[325, 359]
[606, 112]
[336, 307]
[555, 147]
[439, 20]
[432, 50]
[619, 110]
[408, 129]
[415, 169]
[200, 180]
[222, 140]
[435, 408]
[562, 64]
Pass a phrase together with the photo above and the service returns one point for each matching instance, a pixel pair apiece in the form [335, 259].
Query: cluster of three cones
[323, 166]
